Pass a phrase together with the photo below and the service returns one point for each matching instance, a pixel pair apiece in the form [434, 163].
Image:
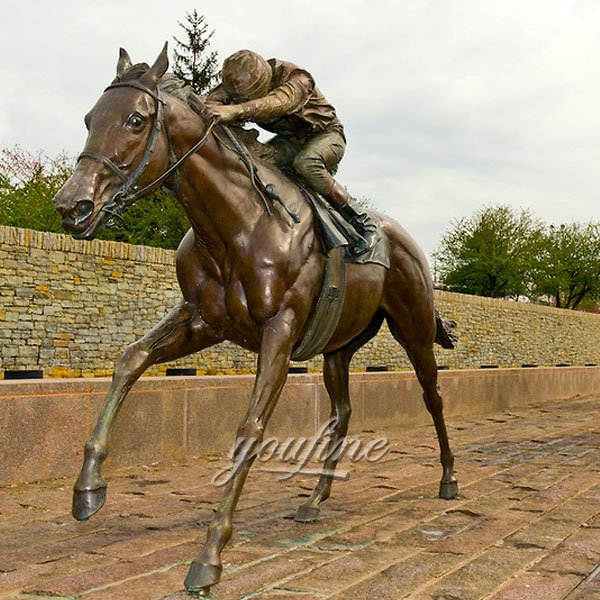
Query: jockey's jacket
[294, 107]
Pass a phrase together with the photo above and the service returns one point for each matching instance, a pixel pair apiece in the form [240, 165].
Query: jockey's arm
[283, 100]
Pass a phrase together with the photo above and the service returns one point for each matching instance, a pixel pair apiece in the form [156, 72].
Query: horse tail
[445, 336]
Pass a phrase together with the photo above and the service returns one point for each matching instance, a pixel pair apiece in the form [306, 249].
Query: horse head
[125, 150]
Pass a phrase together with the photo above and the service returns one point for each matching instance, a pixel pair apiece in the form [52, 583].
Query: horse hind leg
[423, 360]
[180, 333]
[336, 376]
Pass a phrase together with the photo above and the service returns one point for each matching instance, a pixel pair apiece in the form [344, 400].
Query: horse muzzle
[76, 214]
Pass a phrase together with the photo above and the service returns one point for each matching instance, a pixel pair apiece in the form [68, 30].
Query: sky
[448, 105]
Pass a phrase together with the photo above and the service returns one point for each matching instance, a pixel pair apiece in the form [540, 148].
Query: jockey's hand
[225, 113]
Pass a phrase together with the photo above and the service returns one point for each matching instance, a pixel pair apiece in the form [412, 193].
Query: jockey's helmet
[246, 76]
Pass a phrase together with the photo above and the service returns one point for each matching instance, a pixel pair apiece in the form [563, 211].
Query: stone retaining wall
[69, 307]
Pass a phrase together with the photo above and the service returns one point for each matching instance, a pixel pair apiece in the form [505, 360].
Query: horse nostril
[63, 209]
[82, 210]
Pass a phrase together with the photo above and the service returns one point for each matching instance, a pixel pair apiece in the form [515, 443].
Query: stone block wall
[502, 333]
[69, 307]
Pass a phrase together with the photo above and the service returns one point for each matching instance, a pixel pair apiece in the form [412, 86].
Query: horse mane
[174, 86]
[132, 73]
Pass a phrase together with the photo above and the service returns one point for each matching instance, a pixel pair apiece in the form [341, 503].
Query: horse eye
[135, 120]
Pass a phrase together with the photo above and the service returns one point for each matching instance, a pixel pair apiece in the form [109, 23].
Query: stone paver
[526, 524]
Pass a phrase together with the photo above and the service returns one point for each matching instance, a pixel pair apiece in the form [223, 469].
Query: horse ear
[124, 62]
[159, 68]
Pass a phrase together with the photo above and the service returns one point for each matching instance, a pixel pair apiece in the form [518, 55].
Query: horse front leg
[180, 333]
[273, 361]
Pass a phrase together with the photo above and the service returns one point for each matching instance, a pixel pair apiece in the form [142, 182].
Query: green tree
[193, 63]
[491, 253]
[157, 220]
[28, 183]
[568, 270]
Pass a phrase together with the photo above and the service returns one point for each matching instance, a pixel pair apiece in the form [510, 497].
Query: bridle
[129, 191]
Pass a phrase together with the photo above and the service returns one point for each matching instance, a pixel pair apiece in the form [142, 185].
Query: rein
[129, 191]
[268, 192]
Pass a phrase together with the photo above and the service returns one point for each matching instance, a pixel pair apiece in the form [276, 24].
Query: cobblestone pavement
[526, 524]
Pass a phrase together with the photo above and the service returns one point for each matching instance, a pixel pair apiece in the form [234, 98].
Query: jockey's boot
[363, 224]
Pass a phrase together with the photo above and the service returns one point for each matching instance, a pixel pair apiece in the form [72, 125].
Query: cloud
[447, 105]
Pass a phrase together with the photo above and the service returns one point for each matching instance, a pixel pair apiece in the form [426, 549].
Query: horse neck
[216, 190]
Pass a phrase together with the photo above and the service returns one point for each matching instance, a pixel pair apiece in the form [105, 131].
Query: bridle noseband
[129, 191]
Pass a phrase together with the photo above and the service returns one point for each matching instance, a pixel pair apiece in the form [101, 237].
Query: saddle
[336, 235]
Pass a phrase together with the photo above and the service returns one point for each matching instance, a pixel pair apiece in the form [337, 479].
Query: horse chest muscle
[237, 301]
[253, 292]
[240, 290]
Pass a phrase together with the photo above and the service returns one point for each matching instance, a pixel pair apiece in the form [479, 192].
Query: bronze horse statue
[245, 276]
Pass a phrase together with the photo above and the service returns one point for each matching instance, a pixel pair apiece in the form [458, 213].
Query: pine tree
[193, 63]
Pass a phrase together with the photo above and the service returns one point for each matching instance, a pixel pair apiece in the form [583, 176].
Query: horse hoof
[88, 502]
[449, 491]
[306, 513]
[204, 592]
[201, 576]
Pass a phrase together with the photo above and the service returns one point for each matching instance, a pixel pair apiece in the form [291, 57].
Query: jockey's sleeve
[284, 100]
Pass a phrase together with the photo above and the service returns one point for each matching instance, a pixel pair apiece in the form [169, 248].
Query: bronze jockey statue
[284, 99]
